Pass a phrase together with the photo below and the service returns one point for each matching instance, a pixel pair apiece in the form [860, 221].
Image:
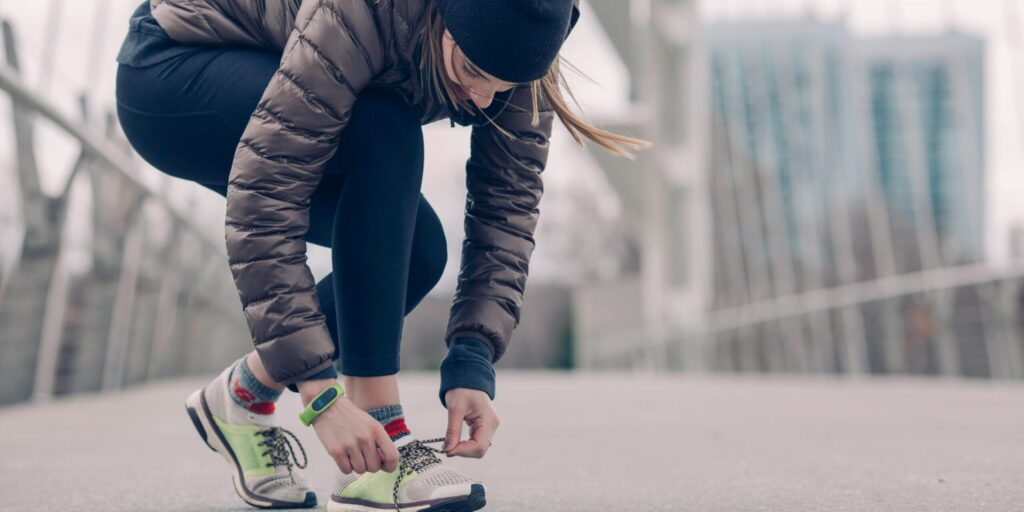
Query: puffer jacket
[332, 49]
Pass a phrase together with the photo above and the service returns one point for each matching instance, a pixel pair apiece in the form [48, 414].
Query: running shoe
[422, 483]
[262, 458]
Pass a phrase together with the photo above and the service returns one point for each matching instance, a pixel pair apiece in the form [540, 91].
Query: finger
[343, 464]
[454, 432]
[370, 456]
[468, 448]
[389, 453]
[384, 464]
[358, 464]
[483, 434]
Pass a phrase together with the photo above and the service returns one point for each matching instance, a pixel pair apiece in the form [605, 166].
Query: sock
[393, 419]
[248, 392]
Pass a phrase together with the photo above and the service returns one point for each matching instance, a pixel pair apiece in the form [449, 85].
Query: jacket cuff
[467, 365]
[326, 373]
[484, 319]
[298, 355]
[478, 339]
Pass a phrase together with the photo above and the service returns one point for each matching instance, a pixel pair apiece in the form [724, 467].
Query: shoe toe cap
[310, 499]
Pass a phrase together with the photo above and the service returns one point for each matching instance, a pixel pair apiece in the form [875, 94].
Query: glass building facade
[838, 159]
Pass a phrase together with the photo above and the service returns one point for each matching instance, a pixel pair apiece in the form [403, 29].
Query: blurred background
[834, 190]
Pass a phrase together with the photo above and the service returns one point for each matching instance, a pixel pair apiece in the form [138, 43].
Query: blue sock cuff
[248, 380]
[387, 413]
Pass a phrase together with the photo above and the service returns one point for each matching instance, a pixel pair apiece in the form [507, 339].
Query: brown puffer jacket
[331, 49]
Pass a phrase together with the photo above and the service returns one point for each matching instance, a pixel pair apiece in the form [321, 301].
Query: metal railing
[155, 298]
[953, 322]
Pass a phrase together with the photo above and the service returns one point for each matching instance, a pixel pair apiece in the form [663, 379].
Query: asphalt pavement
[578, 442]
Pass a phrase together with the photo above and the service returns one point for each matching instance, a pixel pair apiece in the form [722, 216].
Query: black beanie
[513, 40]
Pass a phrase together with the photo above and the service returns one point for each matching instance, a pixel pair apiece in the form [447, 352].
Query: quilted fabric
[331, 50]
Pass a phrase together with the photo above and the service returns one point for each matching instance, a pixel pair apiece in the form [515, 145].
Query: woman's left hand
[475, 408]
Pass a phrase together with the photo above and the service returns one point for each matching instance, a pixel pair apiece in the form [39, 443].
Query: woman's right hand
[354, 439]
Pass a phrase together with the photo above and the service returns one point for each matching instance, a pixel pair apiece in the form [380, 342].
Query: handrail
[106, 152]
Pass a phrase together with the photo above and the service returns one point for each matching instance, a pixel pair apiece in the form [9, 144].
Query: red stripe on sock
[243, 393]
[395, 427]
[262, 407]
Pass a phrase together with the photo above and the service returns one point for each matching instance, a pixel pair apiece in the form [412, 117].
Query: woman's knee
[382, 126]
[387, 112]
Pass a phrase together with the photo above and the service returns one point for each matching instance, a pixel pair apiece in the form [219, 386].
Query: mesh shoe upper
[265, 452]
[424, 477]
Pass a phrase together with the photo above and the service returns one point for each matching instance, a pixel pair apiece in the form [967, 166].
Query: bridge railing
[106, 284]
[965, 321]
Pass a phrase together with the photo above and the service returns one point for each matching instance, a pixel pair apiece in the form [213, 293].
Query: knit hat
[513, 40]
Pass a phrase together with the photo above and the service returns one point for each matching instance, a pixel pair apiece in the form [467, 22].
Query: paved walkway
[578, 442]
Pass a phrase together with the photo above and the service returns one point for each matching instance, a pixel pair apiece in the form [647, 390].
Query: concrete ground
[578, 442]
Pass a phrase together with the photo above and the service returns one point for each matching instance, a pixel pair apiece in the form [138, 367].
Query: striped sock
[248, 392]
[393, 419]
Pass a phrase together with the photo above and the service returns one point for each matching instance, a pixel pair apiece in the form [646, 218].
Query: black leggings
[186, 115]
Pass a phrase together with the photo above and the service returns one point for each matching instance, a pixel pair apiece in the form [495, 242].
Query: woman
[306, 115]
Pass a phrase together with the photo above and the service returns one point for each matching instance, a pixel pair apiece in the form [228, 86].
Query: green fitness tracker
[320, 403]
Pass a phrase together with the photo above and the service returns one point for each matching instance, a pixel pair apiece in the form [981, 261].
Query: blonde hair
[432, 64]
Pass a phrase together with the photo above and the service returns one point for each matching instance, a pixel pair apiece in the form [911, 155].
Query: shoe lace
[280, 448]
[415, 456]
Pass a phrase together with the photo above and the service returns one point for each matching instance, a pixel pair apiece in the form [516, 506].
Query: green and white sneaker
[260, 456]
[426, 485]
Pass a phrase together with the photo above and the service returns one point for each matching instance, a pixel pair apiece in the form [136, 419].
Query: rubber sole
[475, 500]
[202, 420]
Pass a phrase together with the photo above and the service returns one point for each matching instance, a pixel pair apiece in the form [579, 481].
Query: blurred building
[782, 137]
[836, 161]
[925, 97]
[814, 203]
[840, 159]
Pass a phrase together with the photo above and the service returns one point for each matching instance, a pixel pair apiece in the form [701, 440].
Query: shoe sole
[202, 419]
[473, 501]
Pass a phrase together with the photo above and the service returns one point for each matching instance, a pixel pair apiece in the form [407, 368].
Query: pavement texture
[577, 442]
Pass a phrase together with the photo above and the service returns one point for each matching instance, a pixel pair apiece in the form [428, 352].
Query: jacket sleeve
[332, 53]
[504, 188]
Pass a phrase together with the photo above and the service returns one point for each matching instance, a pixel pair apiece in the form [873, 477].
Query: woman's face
[472, 82]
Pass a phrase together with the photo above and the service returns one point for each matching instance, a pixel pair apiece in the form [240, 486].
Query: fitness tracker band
[321, 402]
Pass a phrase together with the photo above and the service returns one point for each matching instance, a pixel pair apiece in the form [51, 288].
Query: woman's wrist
[328, 373]
[309, 389]
[321, 402]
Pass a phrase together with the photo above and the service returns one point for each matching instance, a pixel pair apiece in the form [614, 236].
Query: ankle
[255, 364]
[372, 392]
